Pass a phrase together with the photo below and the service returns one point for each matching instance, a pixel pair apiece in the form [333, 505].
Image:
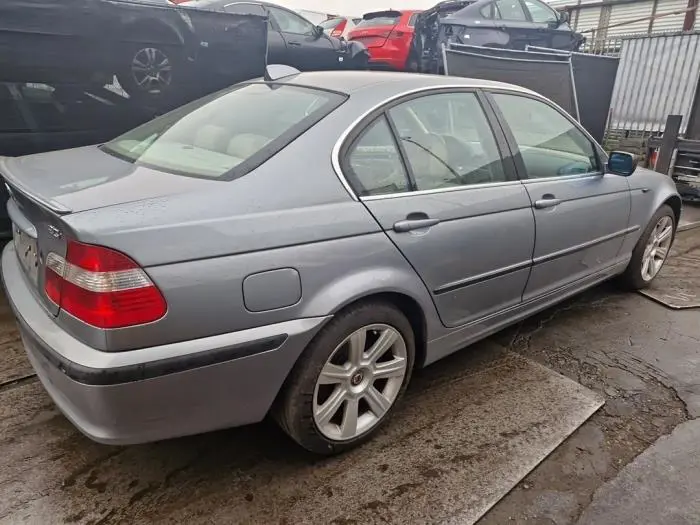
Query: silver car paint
[199, 242]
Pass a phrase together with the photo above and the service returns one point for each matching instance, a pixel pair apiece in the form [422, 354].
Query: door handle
[547, 201]
[414, 224]
[295, 44]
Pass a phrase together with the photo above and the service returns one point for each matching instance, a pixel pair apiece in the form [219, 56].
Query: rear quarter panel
[292, 212]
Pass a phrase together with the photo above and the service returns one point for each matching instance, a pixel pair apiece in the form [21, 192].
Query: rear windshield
[330, 24]
[226, 134]
[385, 20]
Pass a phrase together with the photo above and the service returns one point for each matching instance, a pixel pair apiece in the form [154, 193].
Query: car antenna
[276, 71]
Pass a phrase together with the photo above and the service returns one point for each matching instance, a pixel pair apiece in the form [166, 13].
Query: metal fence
[657, 77]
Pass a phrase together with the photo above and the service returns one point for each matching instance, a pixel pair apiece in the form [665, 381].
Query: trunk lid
[80, 179]
[375, 28]
[47, 186]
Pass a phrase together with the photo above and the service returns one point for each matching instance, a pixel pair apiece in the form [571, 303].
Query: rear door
[581, 213]
[546, 22]
[430, 170]
[512, 19]
[305, 50]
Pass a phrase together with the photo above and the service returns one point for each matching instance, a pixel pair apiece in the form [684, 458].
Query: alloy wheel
[359, 382]
[657, 248]
[151, 70]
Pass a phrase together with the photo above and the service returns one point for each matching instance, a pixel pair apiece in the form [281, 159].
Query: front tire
[149, 71]
[349, 379]
[652, 250]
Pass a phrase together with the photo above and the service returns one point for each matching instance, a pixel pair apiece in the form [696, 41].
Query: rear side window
[226, 134]
[245, 8]
[381, 20]
[510, 10]
[374, 161]
[412, 20]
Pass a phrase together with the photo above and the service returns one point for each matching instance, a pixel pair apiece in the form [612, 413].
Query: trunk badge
[55, 232]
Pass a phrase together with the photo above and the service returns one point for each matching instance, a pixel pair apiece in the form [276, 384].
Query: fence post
[668, 143]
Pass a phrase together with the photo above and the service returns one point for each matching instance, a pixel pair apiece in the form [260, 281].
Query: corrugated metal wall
[588, 18]
[657, 77]
[671, 23]
[627, 13]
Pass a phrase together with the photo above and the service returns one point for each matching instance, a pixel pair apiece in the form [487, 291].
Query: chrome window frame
[510, 89]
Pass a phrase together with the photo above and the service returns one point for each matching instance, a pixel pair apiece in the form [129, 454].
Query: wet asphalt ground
[452, 445]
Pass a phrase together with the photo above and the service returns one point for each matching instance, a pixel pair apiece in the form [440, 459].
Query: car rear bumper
[388, 57]
[160, 392]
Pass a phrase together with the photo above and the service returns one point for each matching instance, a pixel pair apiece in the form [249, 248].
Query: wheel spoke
[332, 374]
[376, 401]
[665, 234]
[394, 368]
[358, 340]
[645, 266]
[383, 343]
[661, 253]
[331, 406]
[348, 427]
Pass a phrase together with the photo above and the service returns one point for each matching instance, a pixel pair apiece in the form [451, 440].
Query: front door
[581, 213]
[306, 49]
[430, 170]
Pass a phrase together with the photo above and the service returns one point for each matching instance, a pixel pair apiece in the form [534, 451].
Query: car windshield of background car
[210, 137]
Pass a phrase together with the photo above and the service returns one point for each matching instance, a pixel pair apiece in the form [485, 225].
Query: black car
[153, 47]
[509, 24]
[293, 40]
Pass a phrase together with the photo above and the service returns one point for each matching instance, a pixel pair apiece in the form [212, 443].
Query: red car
[388, 35]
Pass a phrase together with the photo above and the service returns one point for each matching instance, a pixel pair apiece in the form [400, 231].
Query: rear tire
[149, 70]
[327, 386]
[651, 252]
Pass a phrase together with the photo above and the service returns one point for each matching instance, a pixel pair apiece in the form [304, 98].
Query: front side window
[540, 13]
[290, 22]
[510, 10]
[213, 136]
[550, 144]
[374, 161]
[448, 141]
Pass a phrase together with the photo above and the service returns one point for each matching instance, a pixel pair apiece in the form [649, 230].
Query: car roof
[349, 82]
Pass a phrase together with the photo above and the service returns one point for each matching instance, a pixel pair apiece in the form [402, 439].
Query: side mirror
[564, 17]
[318, 31]
[622, 163]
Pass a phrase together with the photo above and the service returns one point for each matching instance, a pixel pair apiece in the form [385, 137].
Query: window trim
[601, 157]
[349, 137]
[262, 7]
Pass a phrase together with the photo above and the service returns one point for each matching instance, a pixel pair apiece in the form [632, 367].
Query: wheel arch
[409, 307]
[150, 27]
[676, 204]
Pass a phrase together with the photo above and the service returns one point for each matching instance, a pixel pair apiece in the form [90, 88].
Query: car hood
[86, 178]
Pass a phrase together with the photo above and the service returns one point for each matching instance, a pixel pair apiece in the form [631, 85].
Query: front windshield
[212, 136]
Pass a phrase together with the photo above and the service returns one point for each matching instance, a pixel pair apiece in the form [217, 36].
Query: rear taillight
[339, 29]
[396, 34]
[102, 287]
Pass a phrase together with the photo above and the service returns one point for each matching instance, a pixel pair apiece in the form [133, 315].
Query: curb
[688, 226]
